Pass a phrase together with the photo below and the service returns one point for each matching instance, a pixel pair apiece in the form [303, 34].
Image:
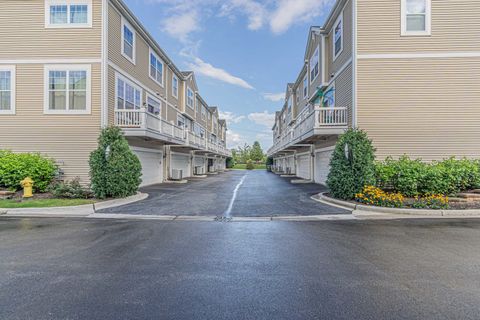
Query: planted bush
[14, 167]
[430, 202]
[352, 165]
[115, 170]
[414, 177]
[250, 165]
[70, 190]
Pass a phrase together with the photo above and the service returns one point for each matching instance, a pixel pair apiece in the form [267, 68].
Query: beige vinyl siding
[334, 65]
[172, 114]
[68, 139]
[24, 36]
[141, 69]
[343, 91]
[426, 108]
[455, 27]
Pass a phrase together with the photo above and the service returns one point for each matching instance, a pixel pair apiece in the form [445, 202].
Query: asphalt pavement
[119, 269]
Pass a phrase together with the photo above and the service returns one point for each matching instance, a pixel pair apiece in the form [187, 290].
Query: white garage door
[200, 162]
[152, 168]
[322, 166]
[303, 166]
[181, 162]
[290, 163]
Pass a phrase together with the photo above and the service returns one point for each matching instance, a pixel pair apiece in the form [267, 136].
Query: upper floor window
[338, 37]
[7, 90]
[67, 89]
[289, 105]
[128, 41]
[156, 68]
[416, 17]
[190, 98]
[175, 86]
[204, 113]
[68, 13]
[305, 87]
[314, 61]
[181, 121]
[153, 106]
[128, 95]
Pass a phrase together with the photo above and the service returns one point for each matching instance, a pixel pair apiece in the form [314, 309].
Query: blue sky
[243, 52]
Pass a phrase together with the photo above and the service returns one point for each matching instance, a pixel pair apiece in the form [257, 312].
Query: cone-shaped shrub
[352, 165]
[115, 170]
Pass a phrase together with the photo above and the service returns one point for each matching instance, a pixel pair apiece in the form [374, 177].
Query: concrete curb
[364, 210]
[301, 181]
[73, 211]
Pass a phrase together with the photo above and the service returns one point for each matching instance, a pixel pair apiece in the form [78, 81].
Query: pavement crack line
[227, 213]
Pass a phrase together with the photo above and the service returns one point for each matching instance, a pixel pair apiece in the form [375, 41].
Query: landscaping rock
[469, 196]
[5, 194]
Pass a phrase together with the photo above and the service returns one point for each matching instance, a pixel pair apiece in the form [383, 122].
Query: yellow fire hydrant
[27, 185]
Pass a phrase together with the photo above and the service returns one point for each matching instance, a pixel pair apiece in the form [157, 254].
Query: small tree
[249, 165]
[115, 170]
[256, 153]
[352, 165]
[230, 162]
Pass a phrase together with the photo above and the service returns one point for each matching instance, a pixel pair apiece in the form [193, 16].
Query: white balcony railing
[307, 121]
[141, 119]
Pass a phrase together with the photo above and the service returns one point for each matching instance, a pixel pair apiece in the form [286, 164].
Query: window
[198, 106]
[68, 13]
[67, 89]
[181, 121]
[202, 133]
[156, 68]
[416, 17]
[338, 37]
[189, 124]
[209, 116]
[290, 105]
[128, 95]
[314, 61]
[305, 88]
[329, 98]
[190, 98]
[7, 90]
[128, 41]
[297, 95]
[204, 113]
[153, 106]
[175, 86]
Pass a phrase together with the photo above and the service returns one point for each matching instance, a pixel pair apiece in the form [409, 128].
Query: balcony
[312, 122]
[140, 123]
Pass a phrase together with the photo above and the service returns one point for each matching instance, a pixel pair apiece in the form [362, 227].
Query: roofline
[122, 7]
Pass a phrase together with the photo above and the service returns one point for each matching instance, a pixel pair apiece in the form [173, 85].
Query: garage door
[152, 168]
[200, 162]
[322, 166]
[303, 166]
[181, 162]
[290, 163]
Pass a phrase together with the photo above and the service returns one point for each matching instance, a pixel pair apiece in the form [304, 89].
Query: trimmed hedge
[14, 167]
[414, 177]
[115, 170]
[351, 168]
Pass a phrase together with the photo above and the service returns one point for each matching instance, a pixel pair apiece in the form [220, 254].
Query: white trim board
[50, 61]
[423, 55]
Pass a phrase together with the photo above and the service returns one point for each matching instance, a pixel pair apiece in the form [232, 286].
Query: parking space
[233, 193]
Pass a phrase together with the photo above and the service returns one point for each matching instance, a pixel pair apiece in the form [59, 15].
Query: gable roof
[190, 75]
[313, 30]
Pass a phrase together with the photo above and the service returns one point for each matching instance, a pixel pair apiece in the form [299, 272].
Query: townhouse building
[405, 71]
[71, 67]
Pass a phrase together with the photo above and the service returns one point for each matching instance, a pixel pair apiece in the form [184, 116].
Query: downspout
[354, 62]
[104, 67]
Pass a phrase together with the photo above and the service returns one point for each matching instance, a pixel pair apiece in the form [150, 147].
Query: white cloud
[262, 118]
[234, 139]
[290, 12]
[181, 25]
[230, 117]
[201, 67]
[254, 11]
[275, 97]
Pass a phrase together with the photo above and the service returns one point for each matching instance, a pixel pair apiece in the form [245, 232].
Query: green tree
[244, 153]
[115, 170]
[256, 153]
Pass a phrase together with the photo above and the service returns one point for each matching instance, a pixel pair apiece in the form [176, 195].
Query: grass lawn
[43, 203]
[243, 166]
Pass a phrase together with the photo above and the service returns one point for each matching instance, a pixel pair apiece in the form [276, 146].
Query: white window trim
[179, 116]
[173, 87]
[12, 89]
[149, 66]
[151, 96]
[193, 99]
[305, 87]
[132, 60]
[339, 20]
[70, 67]
[428, 21]
[68, 3]
[310, 69]
[131, 83]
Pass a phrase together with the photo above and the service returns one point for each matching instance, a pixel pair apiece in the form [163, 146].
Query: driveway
[234, 193]
[117, 269]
